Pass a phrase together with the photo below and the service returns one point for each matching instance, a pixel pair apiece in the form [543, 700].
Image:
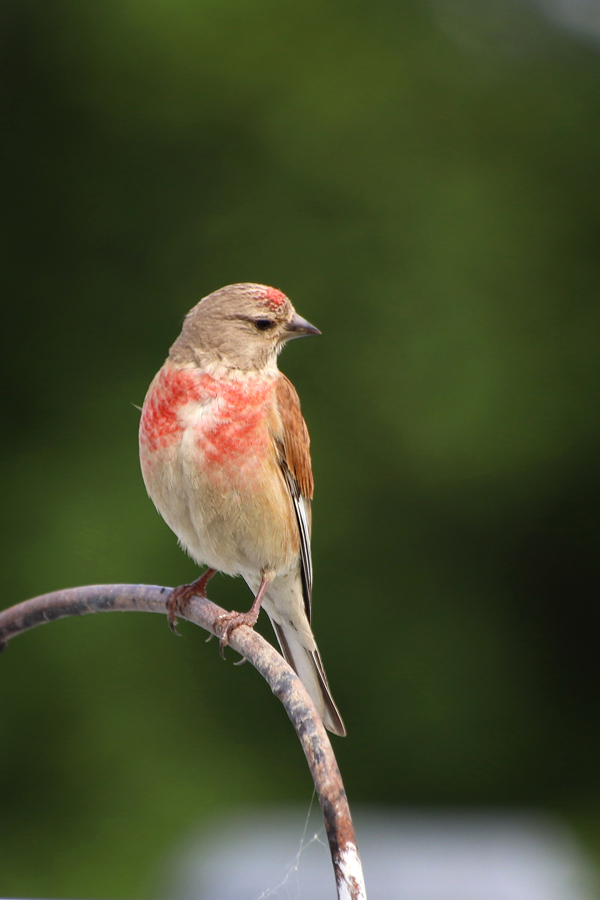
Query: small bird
[225, 457]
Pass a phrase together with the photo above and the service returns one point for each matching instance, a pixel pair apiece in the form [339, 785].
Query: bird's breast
[221, 426]
[210, 466]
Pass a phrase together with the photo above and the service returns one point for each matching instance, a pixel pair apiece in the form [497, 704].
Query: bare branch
[283, 681]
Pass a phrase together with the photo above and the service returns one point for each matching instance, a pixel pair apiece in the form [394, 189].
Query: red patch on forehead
[274, 299]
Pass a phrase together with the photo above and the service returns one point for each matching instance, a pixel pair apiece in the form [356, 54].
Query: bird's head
[240, 326]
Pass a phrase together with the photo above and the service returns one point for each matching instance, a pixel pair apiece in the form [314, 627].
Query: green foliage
[430, 203]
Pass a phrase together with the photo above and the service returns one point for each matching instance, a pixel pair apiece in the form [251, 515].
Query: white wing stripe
[302, 508]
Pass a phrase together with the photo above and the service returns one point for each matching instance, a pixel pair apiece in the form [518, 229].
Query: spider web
[288, 888]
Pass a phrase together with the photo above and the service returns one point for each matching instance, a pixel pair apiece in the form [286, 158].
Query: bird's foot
[179, 598]
[228, 622]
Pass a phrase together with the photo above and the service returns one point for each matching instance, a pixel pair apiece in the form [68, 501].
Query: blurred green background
[423, 180]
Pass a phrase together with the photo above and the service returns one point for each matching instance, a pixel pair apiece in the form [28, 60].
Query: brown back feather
[295, 437]
[293, 445]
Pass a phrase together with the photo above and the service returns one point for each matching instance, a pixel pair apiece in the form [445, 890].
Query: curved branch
[281, 678]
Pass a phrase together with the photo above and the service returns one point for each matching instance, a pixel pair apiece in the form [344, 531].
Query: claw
[180, 597]
[173, 602]
[228, 622]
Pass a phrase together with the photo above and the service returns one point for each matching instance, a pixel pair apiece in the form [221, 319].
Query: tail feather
[309, 668]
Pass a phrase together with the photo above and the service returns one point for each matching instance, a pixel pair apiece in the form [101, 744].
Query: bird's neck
[218, 366]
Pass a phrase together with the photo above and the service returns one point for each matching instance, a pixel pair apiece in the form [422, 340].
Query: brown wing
[293, 446]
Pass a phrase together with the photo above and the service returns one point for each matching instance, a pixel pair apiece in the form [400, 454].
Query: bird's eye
[263, 324]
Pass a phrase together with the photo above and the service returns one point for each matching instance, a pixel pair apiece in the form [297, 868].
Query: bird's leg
[180, 597]
[228, 622]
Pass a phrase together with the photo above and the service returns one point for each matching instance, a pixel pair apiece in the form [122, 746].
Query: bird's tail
[309, 668]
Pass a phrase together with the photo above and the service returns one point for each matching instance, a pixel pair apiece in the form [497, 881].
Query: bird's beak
[299, 327]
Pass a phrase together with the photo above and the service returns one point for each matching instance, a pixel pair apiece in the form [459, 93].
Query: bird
[225, 457]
